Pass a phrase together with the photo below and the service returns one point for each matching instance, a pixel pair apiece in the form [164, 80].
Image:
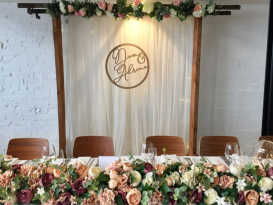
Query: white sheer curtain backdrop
[95, 106]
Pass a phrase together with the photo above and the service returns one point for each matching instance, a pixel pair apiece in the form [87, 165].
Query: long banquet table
[161, 180]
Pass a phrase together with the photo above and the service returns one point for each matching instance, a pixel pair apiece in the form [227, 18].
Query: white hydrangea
[41, 191]
[241, 184]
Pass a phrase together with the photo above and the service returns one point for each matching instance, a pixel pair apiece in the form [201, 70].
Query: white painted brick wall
[232, 73]
[28, 102]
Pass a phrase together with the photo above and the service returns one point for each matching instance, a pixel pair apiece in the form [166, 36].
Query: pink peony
[176, 2]
[137, 2]
[102, 5]
[70, 8]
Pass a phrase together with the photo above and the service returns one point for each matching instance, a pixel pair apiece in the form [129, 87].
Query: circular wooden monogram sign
[127, 66]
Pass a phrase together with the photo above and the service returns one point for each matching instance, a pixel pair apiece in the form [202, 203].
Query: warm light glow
[136, 29]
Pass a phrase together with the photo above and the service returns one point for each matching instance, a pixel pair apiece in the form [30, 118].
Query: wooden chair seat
[172, 144]
[93, 146]
[215, 145]
[28, 148]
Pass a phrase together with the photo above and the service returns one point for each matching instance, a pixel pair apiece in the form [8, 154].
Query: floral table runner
[134, 181]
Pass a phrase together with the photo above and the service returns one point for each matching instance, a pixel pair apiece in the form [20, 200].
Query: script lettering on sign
[127, 66]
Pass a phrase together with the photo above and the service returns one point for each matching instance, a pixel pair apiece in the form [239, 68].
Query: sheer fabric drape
[159, 106]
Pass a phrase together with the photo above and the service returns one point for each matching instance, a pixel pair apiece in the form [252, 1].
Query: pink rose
[121, 15]
[221, 168]
[102, 5]
[133, 197]
[226, 182]
[107, 197]
[70, 8]
[109, 7]
[137, 2]
[81, 12]
[251, 197]
[176, 2]
[197, 8]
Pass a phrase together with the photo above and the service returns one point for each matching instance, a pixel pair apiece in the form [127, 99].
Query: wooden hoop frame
[148, 68]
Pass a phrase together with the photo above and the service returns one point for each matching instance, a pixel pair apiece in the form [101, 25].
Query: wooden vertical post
[57, 36]
[195, 84]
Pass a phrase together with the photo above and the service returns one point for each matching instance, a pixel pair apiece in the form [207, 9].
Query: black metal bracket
[37, 12]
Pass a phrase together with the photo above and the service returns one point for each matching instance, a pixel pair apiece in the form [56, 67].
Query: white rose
[211, 196]
[62, 7]
[148, 6]
[137, 178]
[235, 170]
[148, 180]
[175, 176]
[266, 184]
[112, 183]
[94, 172]
[187, 178]
[173, 12]
[211, 8]
[196, 169]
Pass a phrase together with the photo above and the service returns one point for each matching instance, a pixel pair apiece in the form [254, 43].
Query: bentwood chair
[267, 138]
[93, 146]
[172, 144]
[215, 145]
[28, 148]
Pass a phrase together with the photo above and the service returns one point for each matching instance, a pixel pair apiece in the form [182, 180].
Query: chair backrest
[267, 138]
[28, 148]
[93, 146]
[215, 145]
[172, 144]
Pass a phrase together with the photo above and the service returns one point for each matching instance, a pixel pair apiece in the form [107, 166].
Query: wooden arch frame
[39, 8]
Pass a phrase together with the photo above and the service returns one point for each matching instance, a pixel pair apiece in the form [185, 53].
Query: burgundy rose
[148, 168]
[66, 199]
[196, 196]
[24, 196]
[171, 199]
[270, 172]
[241, 197]
[47, 179]
[16, 167]
[78, 187]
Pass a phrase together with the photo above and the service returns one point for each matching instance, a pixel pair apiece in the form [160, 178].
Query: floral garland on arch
[123, 9]
[136, 182]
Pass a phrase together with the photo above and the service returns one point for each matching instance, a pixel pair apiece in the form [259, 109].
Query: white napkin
[168, 159]
[105, 161]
